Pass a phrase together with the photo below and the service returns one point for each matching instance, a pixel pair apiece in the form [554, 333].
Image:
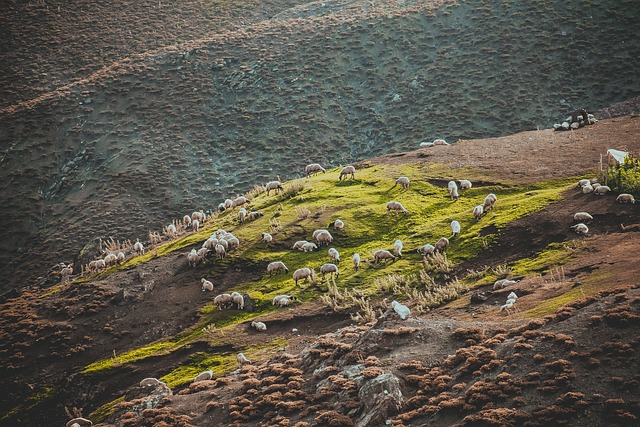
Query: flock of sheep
[588, 186]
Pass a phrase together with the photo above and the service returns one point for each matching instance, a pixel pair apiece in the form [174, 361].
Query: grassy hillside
[179, 128]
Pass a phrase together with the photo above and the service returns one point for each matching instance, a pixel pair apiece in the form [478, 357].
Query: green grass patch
[101, 414]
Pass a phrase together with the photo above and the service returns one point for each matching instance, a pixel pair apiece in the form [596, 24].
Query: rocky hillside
[81, 347]
[121, 116]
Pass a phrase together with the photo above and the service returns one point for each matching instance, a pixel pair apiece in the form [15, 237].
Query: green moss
[555, 255]
[30, 402]
[100, 414]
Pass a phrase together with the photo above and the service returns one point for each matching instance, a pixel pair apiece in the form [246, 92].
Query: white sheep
[453, 190]
[427, 249]
[465, 184]
[582, 216]
[282, 300]
[206, 285]
[171, 230]
[110, 259]
[402, 310]
[238, 299]
[586, 189]
[242, 215]
[425, 144]
[223, 301]
[202, 253]
[396, 207]
[583, 182]
[382, 254]
[276, 267]
[232, 241]
[455, 228]
[397, 248]
[100, 265]
[274, 185]
[512, 296]
[478, 211]
[228, 203]
[625, 198]
[318, 231]
[507, 305]
[313, 168]
[186, 220]
[338, 224]
[121, 256]
[210, 243]
[298, 245]
[347, 170]
[260, 326]
[193, 258]
[302, 274]
[242, 359]
[503, 283]
[441, 245]
[440, 142]
[200, 216]
[82, 422]
[329, 268]
[222, 207]
[222, 242]
[601, 190]
[267, 238]
[324, 238]
[403, 181]
[151, 382]
[580, 228]
[489, 202]
[138, 247]
[334, 255]
[308, 247]
[239, 201]
[203, 376]
[356, 261]
[195, 225]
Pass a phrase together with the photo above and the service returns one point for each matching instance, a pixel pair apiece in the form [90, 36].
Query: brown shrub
[333, 419]
[371, 372]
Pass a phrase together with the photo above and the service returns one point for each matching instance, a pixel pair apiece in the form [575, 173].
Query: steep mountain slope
[160, 133]
[87, 344]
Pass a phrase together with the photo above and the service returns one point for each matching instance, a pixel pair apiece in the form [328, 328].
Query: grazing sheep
[199, 216]
[313, 168]
[512, 296]
[308, 247]
[465, 184]
[260, 326]
[403, 181]
[397, 248]
[426, 249]
[382, 254]
[402, 310]
[396, 207]
[203, 376]
[274, 185]
[582, 216]
[149, 382]
[228, 203]
[232, 241]
[347, 170]
[223, 301]
[478, 211]
[222, 207]
[267, 238]
[222, 242]
[583, 182]
[276, 267]
[329, 268]
[489, 202]
[239, 201]
[503, 283]
[441, 245]
[202, 253]
[100, 265]
[453, 190]
[595, 185]
[338, 224]
[253, 215]
[601, 190]
[334, 255]
[186, 221]
[206, 285]
[318, 231]
[121, 256]
[195, 225]
[356, 261]
[82, 422]
[242, 359]
[298, 245]
[193, 258]
[455, 228]
[302, 274]
[237, 299]
[138, 247]
[242, 215]
[625, 198]
[210, 243]
[282, 300]
[324, 237]
[507, 305]
[110, 259]
[171, 230]
[586, 189]
[580, 228]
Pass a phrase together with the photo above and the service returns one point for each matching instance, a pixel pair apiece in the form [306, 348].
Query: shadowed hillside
[164, 132]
